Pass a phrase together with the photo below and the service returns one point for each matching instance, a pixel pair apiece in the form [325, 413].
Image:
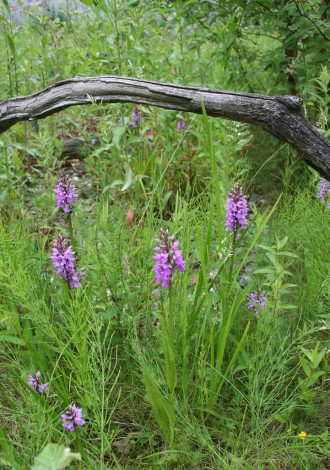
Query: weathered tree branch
[278, 115]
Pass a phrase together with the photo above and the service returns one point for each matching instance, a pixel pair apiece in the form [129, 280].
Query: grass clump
[221, 363]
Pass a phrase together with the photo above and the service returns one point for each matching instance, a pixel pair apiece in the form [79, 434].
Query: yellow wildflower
[302, 435]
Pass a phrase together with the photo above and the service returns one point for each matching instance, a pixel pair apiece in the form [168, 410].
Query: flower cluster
[72, 418]
[237, 209]
[65, 193]
[324, 191]
[257, 302]
[64, 262]
[34, 383]
[136, 118]
[168, 258]
[182, 126]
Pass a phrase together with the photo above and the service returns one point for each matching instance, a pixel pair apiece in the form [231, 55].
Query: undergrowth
[198, 373]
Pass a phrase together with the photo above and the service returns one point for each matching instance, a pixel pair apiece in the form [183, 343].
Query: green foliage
[184, 377]
[310, 364]
[162, 407]
[54, 457]
[276, 274]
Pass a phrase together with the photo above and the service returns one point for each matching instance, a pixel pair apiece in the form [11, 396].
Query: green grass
[185, 377]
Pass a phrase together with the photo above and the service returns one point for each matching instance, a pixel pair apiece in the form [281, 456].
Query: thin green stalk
[232, 258]
[114, 295]
[170, 310]
[115, 14]
[7, 173]
[70, 227]
[215, 176]
[14, 58]
[217, 378]
[184, 351]
[8, 63]
[257, 235]
[169, 326]
[233, 358]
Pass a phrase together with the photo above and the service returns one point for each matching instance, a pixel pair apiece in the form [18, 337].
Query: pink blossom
[168, 258]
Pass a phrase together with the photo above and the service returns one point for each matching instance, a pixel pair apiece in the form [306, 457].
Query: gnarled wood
[278, 115]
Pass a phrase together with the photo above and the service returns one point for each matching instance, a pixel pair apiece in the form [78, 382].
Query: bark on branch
[278, 115]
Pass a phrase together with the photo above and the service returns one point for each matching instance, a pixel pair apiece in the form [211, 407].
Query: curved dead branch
[278, 115]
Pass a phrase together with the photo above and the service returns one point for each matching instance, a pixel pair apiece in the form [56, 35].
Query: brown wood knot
[294, 103]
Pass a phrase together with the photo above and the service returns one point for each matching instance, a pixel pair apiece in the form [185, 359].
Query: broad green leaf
[287, 273]
[307, 395]
[6, 4]
[281, 419]
[4, 20]
[281, 243]
[271, 257]
[319, 358]
[308, 354]
[267, 248]
[106, 188]
[166, 198]
[264, 271]
[100, 4]
[135, 140]
[117, 134]
[306, 367]
[89, 3]
[111, 38]
[315, 350]
[103, 149]
[10, 42]
[288, 253]
[9, 337]
[129, 175]
[316, 375]
[162, 409]
[116, 183]
[54, 457]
